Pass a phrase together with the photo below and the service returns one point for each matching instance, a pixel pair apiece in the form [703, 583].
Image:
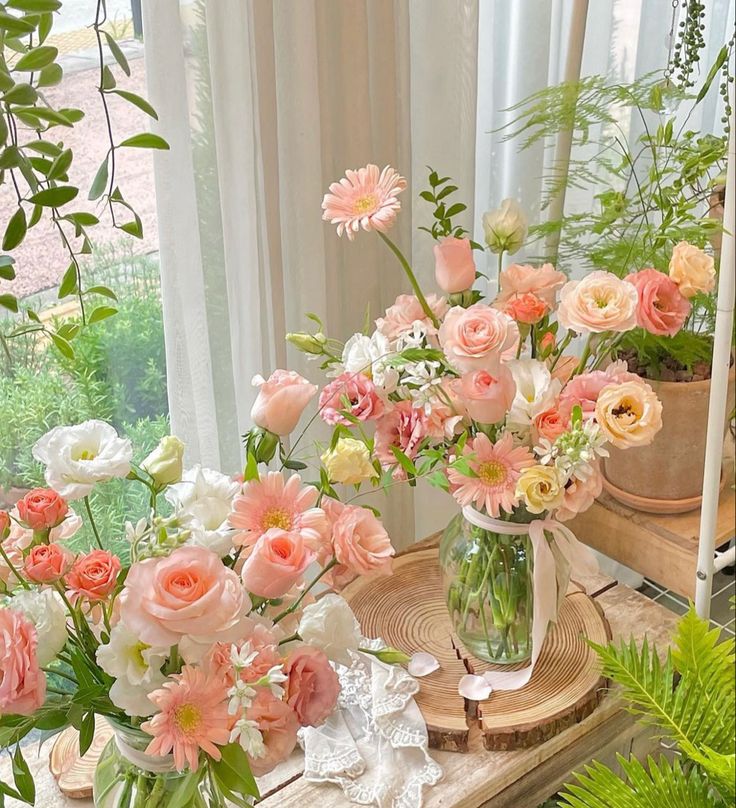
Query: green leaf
[117, 53]
[137, 101]
[21, 94]
[16, 229]
[68, 331]
[15, 25]
[146, 140]
[453, 210]
[9, 158]
[404, 461]
[44, 147]
[102, 290]
[133, 228]
[234, 770]
[34, 6]
[182, 797]
[108, 80]
[715, 67]
[72, 114]
[83, 218]
[50, 76]
[251, 468]
[61, 164]
[99, 183]
[36, 59]
[7, 273]
[87, 732]
[68, 285]
[23, 778]
[63, 346]
[36, 116]
[101, 313]
[35, 216]
[55, 197]
[45, 24]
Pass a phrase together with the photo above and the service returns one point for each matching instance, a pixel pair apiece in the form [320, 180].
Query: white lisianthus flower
[330, 625]
[164, 463]
[136, 668]
[505, 227]
[77, 457]
[44, 608]
[536, 390]
[204, 497]
[369, 355]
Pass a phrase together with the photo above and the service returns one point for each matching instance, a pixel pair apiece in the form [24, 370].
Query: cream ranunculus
[44, 608]
[629, 414]
[541, 488]
[505, 227]
[599, 302]
[165, 463]
[349, 462]
[77, 457]
[692, 269]
[330, 625]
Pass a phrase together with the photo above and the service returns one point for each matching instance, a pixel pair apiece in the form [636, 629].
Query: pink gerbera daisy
[193, 715]
[274, 501]
[498, 466]
[364, 198]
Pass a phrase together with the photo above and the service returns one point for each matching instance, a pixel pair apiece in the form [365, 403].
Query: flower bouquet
[199, 640]
[485, 399]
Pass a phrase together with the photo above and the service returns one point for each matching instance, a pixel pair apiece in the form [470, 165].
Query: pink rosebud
[4, 524]
[94, 575]
[42, 509]
[47, 563]
[281, 401]
[353, 393]
[22, 683]
[547, 344]
[313, 685]
[487, 396]
[276, 564]
[662, 308]
[527, 308]
[454, 268]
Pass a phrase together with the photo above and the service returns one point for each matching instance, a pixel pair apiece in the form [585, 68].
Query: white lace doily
[374, 745]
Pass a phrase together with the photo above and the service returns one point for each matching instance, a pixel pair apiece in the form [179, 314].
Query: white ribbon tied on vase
[545, 578]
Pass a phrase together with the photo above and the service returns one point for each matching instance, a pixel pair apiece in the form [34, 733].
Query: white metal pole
[718, 392]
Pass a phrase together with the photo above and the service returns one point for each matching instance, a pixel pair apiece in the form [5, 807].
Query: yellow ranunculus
[541, 488]
[349, 462]
[629, 414]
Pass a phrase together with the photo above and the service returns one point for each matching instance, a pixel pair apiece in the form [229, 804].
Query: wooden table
[519, 779]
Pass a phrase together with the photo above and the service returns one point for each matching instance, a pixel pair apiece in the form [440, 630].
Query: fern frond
[721, 769]
[658, 785]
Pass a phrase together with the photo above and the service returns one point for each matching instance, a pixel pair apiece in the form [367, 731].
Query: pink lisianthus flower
[193, 716]
[365, 197]
[94, 575]
[276, 564]
[580, 495]
[585, 388]
[662, 308]
[407, 310]
[475, 338]
[350, 392]
[22, 682]
[275, 502]
[281, 401]
[454, 268]
[278, 724]
[487, 396]
[518, 280]
[313, 686]
[403, 426]
[359, 540]
[498, 466]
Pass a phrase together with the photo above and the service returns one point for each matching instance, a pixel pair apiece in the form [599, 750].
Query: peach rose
[487, 397]
[474, 338]
[278, 724]
[95, 575]
[42, 509]
[406, 311]
[276, 564]
[599, 302]
[353, 393]
[189, 595]
[47, 563]
[629, 414]
[550, 423]
[518, 280]
[22, 682]
[313, 685]
[527, 308]
[360, 542]
[662, 307]
[454, 268]
[281, 401]
[580, 495]
[4, 524]
[692, 269]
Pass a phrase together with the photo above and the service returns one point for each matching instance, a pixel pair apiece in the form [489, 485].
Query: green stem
[584, 358]
[290, 638]
[500, 270]
[561, 349]
[60, 673]
[412, 279]
[295, 605]
[12, 568]
[92, 522]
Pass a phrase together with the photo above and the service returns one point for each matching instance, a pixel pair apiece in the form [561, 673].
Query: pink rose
[599, 302]
[42, 509]
[4, 524]
[353, 393]
[278, 724]
[551, 423]
[95, 575]
[520, 279]
[407, 310]
[189, 594]
[281, 401]
[454, 267]
[359, 539]
[527, 308]
[405, 427]
[662, 307]
[276, 564]
[22, 683]
[313, 685]
[474, 338]
[487, 397]
[580, 495]
[47, 563]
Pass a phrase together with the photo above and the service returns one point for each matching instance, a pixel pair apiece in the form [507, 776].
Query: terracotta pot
[667, 475]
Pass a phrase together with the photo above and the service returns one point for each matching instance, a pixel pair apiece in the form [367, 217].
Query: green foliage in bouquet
[688, 699]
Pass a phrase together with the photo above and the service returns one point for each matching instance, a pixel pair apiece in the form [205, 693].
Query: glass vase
[126, 777]
[488, 584]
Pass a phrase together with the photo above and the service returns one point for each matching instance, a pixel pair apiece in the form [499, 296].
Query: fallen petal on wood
[422, 664]
[473, 687]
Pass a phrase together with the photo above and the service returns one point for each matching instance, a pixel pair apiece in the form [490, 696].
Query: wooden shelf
[663, 548]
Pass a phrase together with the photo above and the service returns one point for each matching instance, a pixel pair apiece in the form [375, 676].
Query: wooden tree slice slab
[73, 773]
[407, 610]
